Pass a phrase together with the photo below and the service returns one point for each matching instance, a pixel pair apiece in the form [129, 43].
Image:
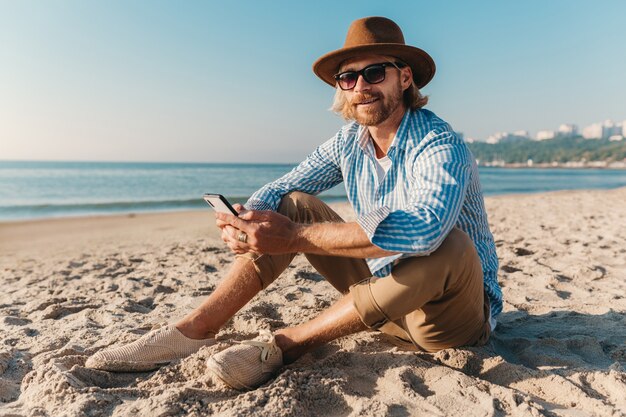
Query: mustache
[360, 98]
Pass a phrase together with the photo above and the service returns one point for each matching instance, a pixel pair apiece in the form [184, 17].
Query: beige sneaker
[249, 364]
[153, 350]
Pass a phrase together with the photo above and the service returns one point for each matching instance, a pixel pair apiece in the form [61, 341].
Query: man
[419, 264]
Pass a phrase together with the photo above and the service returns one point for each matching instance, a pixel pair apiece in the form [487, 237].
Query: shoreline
[617, 166]
[334, 201]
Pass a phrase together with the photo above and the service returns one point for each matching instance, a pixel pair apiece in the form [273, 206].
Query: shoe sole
[228, 379]
[112, 366]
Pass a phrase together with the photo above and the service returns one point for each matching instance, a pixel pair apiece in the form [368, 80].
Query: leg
[246, 278]
[438, 299]
[196, 330]
[341, 319]
[254, 362]
[252, 273]
[239, 286]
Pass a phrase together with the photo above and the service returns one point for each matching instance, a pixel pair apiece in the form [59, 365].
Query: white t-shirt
[382, 166]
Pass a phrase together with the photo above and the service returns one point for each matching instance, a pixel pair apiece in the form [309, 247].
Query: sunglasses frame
[361, 72]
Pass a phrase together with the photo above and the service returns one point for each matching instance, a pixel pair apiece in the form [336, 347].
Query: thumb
[254, 215]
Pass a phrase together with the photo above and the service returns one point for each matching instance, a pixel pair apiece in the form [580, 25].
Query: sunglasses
[373, 74]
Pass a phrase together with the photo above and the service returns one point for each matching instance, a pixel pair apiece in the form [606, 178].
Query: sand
[73, 286]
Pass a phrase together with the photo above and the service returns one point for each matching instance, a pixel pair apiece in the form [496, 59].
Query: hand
[230, 236]
[222, 224]
[227, 229]
[268, 232]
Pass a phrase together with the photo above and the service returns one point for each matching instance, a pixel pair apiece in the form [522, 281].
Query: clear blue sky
[232, 81]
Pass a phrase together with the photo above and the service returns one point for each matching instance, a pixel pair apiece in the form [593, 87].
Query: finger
[236, 247]
[238, 207]
[232, 236]
[240, 224]
[225, 236]
[225, 217]
[233, 233]
[255, 215]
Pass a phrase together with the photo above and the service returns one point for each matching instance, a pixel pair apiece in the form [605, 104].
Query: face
[372, 104]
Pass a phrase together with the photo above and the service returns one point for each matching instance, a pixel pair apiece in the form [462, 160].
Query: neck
[383, 134]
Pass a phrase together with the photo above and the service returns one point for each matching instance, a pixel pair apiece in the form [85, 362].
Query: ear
[406, 76]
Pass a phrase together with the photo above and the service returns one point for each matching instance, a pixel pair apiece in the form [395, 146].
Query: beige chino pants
[427, 303]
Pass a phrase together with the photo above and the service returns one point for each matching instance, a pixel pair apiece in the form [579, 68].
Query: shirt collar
[399, 141]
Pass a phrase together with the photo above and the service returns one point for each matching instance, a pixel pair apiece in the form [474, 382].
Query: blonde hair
[412, 98]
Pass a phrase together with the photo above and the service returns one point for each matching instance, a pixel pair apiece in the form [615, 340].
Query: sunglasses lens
[374, 74]
[347, 80]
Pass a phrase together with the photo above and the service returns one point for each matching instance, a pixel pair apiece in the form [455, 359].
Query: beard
[378, 112]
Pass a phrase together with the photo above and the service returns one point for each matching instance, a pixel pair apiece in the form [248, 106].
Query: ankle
[195, 329]
[288, 346]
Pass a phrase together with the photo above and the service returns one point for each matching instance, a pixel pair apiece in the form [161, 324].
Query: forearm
[336, 239]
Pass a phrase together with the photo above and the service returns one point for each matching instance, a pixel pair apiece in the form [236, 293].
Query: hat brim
[421, 63]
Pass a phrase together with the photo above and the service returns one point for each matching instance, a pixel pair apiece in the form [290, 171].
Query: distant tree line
[559, 149]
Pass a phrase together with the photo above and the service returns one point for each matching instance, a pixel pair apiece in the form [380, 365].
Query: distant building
[568, 130]
[611, 129]
[603, 130]
[496, 137]
[508, 137]
[593, 131]
[545, 135]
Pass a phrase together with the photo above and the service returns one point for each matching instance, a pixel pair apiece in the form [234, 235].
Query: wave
[62, 209]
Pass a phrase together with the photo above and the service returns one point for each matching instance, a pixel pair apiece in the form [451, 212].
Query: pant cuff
[368, 310]
[262, 270]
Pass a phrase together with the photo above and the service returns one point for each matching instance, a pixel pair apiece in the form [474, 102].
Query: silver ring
[243, 238]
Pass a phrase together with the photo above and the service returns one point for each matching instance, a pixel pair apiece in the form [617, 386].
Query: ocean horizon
[46, 189]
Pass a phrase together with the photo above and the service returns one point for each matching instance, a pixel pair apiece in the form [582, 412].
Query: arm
[320, 171]
[272, 233]
[440, 173]
[440, 178]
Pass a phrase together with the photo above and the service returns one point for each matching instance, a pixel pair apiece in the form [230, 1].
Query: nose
[362, 85]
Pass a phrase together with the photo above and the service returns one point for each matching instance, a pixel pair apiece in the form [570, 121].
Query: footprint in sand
[563, 295]
[523, 252]
[509, 269]
[15, 321]
[563, 278]
[58, 311]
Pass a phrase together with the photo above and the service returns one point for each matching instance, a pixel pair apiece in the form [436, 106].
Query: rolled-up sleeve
[440, 176]
[320, 171]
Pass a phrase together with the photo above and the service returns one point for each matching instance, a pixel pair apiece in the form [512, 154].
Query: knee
[306, 208]
[294, 201]
[457, 245]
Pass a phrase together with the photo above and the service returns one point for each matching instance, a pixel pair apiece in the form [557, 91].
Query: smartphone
[219, 203]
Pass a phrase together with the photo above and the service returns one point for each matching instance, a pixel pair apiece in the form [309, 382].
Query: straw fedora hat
[379, 36]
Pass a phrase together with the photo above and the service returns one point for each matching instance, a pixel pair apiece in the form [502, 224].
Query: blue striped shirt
[431, 186]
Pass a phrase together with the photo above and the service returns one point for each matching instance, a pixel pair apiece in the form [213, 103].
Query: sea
[33, 189]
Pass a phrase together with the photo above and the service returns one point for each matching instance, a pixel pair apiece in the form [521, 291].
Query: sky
[216, 81]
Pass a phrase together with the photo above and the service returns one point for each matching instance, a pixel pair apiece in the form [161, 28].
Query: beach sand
[73, 286]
